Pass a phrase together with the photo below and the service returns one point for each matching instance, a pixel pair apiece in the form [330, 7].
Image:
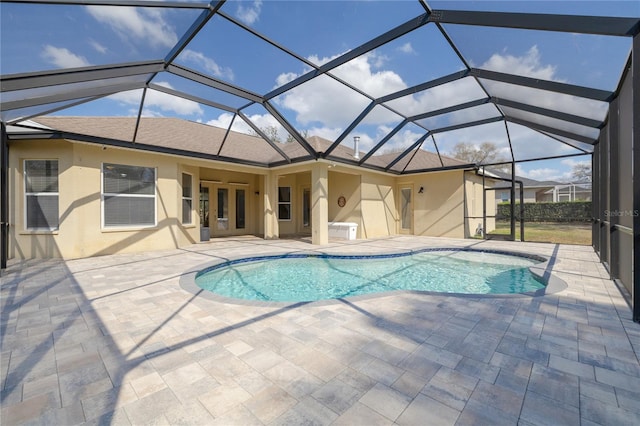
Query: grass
[561, 233]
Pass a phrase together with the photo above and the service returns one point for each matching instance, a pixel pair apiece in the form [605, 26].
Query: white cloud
[544, 174]
[333, 105]
[98, 47]
[528, 65]
[249, 14]
[62, 57]
[407, 48]
[445, 95]
[208, 64]
[262, 121]
[137, 25]
[156, 103]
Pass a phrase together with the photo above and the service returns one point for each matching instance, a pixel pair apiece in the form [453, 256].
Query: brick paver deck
[121, 340]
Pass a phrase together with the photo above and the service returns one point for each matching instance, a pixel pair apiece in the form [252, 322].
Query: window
[128, 195]
[284, 203]
[306, 207]
[187, 198]
[41, 194]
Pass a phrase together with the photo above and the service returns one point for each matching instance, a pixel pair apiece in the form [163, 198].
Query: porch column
[319, 203]
[270, 191]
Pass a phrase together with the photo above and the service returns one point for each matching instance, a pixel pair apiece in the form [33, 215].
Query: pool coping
[542, 271]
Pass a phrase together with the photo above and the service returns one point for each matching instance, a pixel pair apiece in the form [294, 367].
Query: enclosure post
[484, 206]
[521, 211]
[513, 201]
[635, 140]
[4, 198]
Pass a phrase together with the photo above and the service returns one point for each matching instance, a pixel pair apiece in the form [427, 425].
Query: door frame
[401, 187]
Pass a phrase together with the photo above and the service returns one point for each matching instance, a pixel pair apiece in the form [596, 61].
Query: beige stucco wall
[372, 200]
[80, 232]
[345, 185]
[378, 206]
[439, 210]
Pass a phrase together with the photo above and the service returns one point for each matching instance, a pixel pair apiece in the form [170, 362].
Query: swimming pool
[312, 277]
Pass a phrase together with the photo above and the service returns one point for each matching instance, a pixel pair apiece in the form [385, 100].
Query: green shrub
[565, 211]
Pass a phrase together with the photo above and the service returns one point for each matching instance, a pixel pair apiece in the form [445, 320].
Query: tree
[581, 172]
[273, 133]
[485, 153]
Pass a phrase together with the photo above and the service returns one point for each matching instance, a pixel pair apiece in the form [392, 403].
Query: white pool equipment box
[345, 230]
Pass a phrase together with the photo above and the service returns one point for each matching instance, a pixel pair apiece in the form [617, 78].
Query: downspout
[4, 198]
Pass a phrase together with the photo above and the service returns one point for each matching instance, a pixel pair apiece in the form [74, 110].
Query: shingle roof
[191, 136]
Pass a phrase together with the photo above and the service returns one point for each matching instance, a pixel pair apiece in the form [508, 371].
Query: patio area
[117, 340]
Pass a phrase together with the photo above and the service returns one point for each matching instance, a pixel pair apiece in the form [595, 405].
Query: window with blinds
[41, 194]
[187, 198]
[284, 203]
[128, 195]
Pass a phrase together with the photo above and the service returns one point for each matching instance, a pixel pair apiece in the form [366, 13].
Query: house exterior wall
[371, 201]
[439, 210]
[80, 231]
[529, 195]
[345, 185]
[378, 206]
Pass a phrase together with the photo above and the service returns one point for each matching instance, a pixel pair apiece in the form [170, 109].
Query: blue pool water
[318, 277]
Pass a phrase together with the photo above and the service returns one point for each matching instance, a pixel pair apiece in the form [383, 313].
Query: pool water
[318, 277]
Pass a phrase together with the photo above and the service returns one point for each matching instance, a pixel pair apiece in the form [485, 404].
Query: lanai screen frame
[609, 148]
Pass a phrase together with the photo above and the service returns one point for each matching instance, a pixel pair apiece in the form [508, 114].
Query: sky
[46, 37]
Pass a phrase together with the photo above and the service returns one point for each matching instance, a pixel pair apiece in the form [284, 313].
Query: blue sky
[42, 37]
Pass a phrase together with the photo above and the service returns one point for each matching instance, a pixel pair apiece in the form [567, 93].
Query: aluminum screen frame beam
[588, 122]
[597, 25]
[550, 86]
[384, 140]
[452, 108]
[406, 152]
[192, 75]
[423, 86]
[265, 137]
[635, 70]
[71, 95]
[197, 99]
[32, 80]
[552, 130]
[290, 129]
[372, 44]
[125, 3]
[349, 129]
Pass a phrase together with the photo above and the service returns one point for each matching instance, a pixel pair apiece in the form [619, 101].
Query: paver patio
[120, 340]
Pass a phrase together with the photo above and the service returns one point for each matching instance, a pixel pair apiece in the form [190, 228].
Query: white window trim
[38, 194]
[290, 203]
[155, 201]
[183, 198]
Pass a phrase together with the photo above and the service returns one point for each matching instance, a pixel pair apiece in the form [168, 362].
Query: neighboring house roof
[526, 182]
[175, 133]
